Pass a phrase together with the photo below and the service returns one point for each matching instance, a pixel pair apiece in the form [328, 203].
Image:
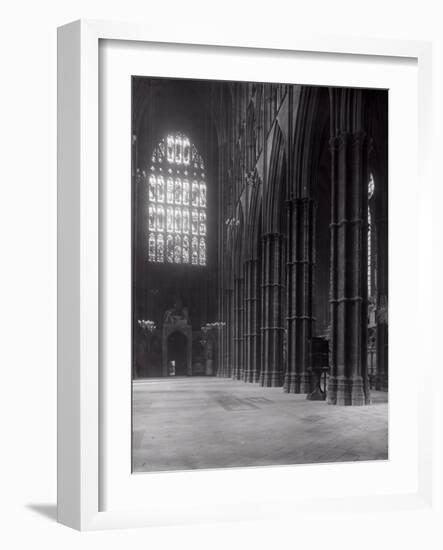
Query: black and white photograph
[259, 274]
[222, 275]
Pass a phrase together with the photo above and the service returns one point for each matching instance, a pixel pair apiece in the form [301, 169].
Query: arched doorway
[177, 347]
[177, 354]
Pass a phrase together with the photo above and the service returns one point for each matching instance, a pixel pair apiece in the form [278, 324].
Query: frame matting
[81, 415]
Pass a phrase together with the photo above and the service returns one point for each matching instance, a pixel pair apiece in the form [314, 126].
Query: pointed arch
[252, 283]
[259, 118]
[250, 137]
[238, 241]
[276, 187]
[254, 221]
[311, 137]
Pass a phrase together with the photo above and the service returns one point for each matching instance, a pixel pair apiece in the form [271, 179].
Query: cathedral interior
[260, 266]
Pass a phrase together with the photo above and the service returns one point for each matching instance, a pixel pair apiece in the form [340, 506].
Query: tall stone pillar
[251, 334]
[382, 376]
[300, 264]
[348, 384]
[225, 364]
[272, 300]
[238, 328]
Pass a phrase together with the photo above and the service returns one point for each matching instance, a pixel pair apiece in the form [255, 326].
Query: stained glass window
[151, 218]
[202, 223]
[170, 148]
[186, 151]
[202, 251]
[203, 194]
[178, 249]
[185, 193]
[160, 189]
[170, 191]
[169, 219]
[185, 249]
[195, 194]
[170, 248]
[160, 218]
[369, 253]
[151, 247]
[185, 221]
[371, 186]
[177, 222]
[152, 188]
[160, 247]
[371, 189]
[194, 251]
[178, 191]
[194, 223]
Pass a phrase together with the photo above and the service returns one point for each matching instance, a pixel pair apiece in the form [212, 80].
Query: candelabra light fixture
[232, 222]
[146, 325]
[210, 326]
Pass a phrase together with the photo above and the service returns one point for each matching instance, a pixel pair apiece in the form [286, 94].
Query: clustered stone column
[300, 285]
[251, 336]
[225, 368]
[348, 384]
[273, 299]
[381, 382]
[238, 328]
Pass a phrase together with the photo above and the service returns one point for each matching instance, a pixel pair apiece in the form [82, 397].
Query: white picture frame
[80, 413]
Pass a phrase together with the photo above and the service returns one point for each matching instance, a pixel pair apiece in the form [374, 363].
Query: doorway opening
[177, 354]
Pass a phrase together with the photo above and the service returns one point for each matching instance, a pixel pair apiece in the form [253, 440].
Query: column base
[224, 373]
[347, 391]
[249, 376]
[297, 383]
[316, 395]
[273, 379]
[381, 382]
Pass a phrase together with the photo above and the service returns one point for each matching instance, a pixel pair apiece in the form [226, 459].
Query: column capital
[250, 260]
[297, 201]
[271, 236]
[341, 139]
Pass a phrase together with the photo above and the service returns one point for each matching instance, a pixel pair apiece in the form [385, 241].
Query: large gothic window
[177, 203]
[371, 189]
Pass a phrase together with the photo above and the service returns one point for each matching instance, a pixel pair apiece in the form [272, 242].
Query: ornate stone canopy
[176, 319]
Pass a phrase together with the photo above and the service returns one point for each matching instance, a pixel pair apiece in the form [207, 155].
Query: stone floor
[189, 423]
